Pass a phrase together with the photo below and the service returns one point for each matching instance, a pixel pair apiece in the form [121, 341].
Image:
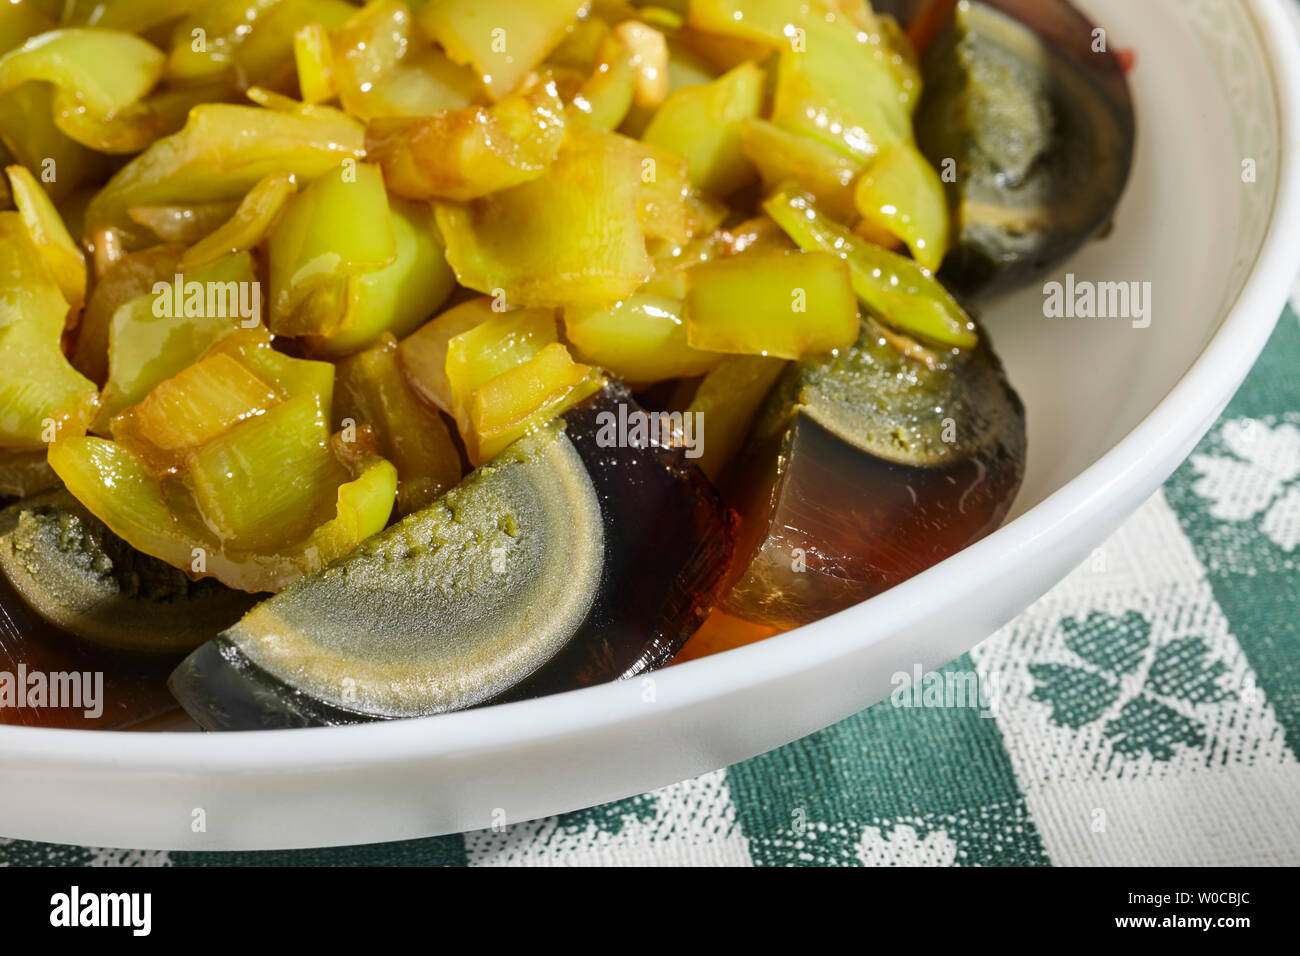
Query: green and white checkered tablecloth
[1148, 712]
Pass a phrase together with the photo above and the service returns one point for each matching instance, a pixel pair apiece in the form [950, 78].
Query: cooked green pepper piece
[465, 154]
[383, 66]
[425, 83]
[505, 408]
[423, 354]
[220, 154]
[317, 246]
[764, 21]
[135, 127]
[265, 55]
[28, 132]
[194, 406]
[156, 335]
[820, 170]
[666, 204]
[895, 289]
[499, 343]
[582, 44]
[648, 51]
[502, 39]
[684, 68]
[903, 56]
[159, 518]
[374, 392]
[786, 304]
[702, 123]
[572, 236]
[878, 52]
[99, 71]
[499, 374]
[604, 98]
[901, 194]
[290, 376]
[179, 223]
[20, 19]
[399, 296]
[269, 479]
[139, 16]
[641, 339]
[244, 40]
[42, 397]
[45, 228]
[728, 399]
[130, 277]
[246, 229]
[835, 82]
[235, 451]
[313, 58]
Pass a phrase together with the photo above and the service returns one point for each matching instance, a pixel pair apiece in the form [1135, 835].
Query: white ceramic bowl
[1112, 411]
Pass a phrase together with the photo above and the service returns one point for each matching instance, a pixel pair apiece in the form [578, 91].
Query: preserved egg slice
[80, 577]
[865, 469]
[1039, 122]
[572, 558]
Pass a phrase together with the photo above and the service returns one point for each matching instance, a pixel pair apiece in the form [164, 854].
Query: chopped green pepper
[227, 469]
[220, 154]
[901, 194]
[383, 66]
[505, 408]
[20, 19]
[895, 289]
[396, 298]
[821, 170]
[99, 71]
[702, 123]
[423, 354]
[313, 58]
[45, 227]
[573, 235]
[728, 399]
[786, 304]
[604, 98]
[28, 132]
[156, 335]
[196, 405]
[465, 154]
[502, 39]
[641, 339]
[316, 247]
[374, 391]
[499, 343]
[248, 227]
[42, 397]
[158, 517]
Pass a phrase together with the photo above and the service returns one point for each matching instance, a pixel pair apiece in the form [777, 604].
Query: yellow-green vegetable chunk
[783, 304]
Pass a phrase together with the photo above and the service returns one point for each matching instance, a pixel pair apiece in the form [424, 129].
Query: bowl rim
[1137, 459]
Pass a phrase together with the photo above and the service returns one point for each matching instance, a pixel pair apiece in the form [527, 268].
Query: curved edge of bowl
[1066, 524]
